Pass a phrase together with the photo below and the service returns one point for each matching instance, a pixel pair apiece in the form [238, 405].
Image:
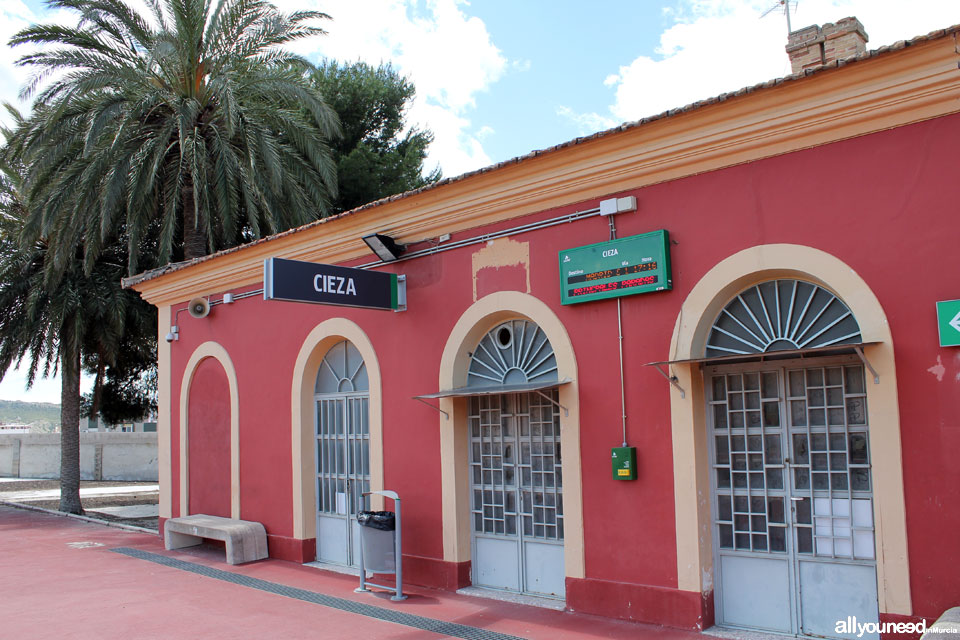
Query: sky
[498, 79]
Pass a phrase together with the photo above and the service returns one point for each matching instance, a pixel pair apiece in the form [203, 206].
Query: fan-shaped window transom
[781, 315]
[514, 352]
[342, 371]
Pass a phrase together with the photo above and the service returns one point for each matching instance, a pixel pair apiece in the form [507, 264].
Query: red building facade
[844, 179]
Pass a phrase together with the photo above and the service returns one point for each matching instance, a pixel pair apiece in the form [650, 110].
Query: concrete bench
[246, 541]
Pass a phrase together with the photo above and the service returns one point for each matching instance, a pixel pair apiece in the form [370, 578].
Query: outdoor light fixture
[384, 246]
[174, 333]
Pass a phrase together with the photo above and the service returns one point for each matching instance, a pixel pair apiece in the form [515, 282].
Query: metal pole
[363, 572]
[398, 550]
[623, 393]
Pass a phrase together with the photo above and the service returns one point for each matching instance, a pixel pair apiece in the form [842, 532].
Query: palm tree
[192, 114]
[49, 324]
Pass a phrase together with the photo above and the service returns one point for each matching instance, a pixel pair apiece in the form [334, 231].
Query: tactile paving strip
[441, 627]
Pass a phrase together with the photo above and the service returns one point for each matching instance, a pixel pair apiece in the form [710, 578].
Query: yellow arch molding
[690, 463]
[315, 346]
[476, 321]
[210, 350]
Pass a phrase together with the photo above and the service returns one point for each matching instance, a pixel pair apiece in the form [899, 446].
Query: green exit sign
[948, 321]
[624, 267]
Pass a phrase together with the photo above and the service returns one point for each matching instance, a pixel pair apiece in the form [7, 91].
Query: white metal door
[792, 497]
[517, 493]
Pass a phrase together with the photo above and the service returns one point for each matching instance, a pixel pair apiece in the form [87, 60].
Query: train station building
[687, 371]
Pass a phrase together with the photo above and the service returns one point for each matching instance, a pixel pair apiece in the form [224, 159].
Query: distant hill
[42, 416]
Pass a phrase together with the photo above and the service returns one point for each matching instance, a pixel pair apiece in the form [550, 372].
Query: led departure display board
[638, 264]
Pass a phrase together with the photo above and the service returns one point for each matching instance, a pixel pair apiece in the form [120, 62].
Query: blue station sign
[298, 281]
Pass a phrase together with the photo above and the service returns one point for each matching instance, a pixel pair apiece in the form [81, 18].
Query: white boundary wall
[103, 456]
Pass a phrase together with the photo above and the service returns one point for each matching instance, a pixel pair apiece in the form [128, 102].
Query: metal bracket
[447, 415]
[566, 411]
[866, 363]
[671, 379]
[401, 293]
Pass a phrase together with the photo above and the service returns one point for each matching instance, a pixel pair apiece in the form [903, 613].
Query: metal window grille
[830, 462]
[748, 461]
[343, 454]
[342, 430]
[516, 466]
[790, 449]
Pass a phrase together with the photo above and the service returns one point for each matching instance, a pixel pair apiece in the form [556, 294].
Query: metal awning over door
[784, 354]
[491, 390]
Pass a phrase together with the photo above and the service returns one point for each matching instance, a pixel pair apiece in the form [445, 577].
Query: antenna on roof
[785, 6]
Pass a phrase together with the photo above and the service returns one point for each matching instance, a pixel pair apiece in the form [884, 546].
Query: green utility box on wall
[624, 463]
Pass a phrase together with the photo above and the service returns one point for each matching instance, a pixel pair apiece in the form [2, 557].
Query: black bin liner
[382, 520]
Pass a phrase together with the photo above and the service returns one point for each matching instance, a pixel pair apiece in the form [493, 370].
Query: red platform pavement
[66, 578]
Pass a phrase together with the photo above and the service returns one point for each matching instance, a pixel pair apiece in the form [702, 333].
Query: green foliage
[376, 157]
[50, 317]
[125, 387]
[193, 116]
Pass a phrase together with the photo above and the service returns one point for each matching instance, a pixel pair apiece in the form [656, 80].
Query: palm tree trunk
[70, 432]
[194, 238]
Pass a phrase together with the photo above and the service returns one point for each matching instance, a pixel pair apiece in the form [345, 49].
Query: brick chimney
[815, 46]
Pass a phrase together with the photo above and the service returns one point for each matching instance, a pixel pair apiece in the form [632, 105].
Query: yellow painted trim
[302, 435]
[164, 452]
[210, 350]
[690, 464]
[476, 321]
[897, 88]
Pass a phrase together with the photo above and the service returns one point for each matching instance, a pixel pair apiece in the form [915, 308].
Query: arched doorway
[209, 440]
[515, 458]
[789, 462]
[209, 422]
[341, 451]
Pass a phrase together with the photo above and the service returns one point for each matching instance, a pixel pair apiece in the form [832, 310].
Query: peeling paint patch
[502, 252]
[706, 580]
[938, 370]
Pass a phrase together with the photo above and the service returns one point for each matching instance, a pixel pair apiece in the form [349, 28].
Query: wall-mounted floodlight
[384, 246]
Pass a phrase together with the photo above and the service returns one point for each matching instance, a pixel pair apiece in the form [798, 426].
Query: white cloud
[449, 57]
[586, 122]
[485, 132]
[716, 46]
[14, 16]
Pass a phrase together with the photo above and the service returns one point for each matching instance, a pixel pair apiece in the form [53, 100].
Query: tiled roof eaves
[896, 46]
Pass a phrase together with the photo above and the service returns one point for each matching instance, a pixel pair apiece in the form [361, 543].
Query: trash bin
[378, 537]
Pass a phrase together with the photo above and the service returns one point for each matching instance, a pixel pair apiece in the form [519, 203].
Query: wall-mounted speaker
[199, 308]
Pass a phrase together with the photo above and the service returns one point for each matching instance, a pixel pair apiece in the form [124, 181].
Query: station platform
[62, 577]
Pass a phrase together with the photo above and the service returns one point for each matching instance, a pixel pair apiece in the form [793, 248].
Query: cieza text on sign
[334, 284]
[297, 281]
